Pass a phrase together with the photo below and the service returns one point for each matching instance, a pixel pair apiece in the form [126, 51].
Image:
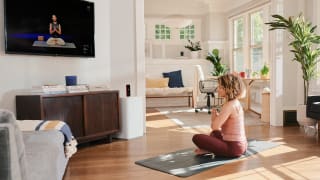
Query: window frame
[165, 29]
[186, 34]
[247, 46]
[235, 47]
[251, 44]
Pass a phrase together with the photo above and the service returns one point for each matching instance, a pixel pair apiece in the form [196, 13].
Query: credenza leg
[109, 139]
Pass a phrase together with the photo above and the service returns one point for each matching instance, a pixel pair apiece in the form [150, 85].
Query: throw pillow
[157, 82]
[175, 78]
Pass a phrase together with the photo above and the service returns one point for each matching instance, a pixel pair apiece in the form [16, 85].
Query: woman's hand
[218, 118]
[214, 113]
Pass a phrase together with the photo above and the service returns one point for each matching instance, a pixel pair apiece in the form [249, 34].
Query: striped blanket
[70, 143]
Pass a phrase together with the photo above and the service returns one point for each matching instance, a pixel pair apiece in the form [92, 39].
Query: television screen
[58, 27]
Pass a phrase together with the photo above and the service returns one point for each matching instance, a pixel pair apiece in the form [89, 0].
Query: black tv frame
[92, 55]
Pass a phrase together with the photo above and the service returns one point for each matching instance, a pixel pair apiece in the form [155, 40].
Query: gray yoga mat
[185, 163]
[44, 44]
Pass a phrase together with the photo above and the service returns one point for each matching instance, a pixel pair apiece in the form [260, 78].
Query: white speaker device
[131, 118]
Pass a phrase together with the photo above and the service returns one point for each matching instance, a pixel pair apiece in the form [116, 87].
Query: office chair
[209, 87]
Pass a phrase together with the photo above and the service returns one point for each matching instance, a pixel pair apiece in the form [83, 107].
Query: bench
[184, 92]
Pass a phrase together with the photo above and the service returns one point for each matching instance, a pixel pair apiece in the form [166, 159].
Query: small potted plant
[194, 47]
[264, 72]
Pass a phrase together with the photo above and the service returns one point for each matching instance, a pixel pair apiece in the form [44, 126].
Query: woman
[55, 32]
[228, 133]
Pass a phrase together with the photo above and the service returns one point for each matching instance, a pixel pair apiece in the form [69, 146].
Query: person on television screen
[227, 137]
[55, 32]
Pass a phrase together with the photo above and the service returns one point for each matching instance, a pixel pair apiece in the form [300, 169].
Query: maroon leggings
[219, 147]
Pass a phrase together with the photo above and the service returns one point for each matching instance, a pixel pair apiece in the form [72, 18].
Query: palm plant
[303, 46]
[215, 59]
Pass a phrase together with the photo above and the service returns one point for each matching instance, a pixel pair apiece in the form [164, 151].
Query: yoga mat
[185, 163]
[44, 44]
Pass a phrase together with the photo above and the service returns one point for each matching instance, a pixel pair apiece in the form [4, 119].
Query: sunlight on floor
[256, 174]
[161, 123]
[282, 149]
[301, 169]
[193, 130]
[153, 114]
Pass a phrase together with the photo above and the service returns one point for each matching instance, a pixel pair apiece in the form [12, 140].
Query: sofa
[34, 155]
[313, 107]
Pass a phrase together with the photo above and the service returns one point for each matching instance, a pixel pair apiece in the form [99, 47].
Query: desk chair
[209, 88]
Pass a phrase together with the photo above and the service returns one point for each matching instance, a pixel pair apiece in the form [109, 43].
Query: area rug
[185, 163]
[187, 117]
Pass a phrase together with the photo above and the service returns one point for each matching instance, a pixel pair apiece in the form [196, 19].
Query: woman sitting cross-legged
[228, 136]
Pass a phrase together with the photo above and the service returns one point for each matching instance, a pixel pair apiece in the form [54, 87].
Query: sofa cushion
[45, 154]
[157, 82]
[175, 78]
[17, 150]
[5, 165]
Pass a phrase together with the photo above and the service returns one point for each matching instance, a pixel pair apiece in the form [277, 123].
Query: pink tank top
[233, 129]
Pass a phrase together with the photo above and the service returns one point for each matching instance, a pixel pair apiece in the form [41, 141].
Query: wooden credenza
[90, 115]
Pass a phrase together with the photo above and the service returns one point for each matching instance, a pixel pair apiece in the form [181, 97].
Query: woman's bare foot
[201, 152]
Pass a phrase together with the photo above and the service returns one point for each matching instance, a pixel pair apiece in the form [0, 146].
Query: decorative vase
[194, 54]
[308, 124]
[264, 76]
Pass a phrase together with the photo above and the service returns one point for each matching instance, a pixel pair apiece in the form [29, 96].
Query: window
[256, 22]
[238, 29]
[249, 41]
[162, 32]
[187, 32]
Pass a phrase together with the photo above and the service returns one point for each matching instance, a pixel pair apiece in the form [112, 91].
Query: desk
[249, 82]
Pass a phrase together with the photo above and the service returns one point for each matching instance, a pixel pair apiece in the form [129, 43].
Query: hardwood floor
[296, 158]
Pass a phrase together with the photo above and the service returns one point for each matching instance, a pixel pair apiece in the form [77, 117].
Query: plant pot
[264, 76]
[302, 118]
[194, 54]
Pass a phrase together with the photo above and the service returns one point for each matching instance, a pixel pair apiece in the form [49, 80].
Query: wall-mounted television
[56, 28]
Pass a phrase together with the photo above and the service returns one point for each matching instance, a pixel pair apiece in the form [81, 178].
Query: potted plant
[194, 48]
[304, 41]
[218, 68]
[264, 72]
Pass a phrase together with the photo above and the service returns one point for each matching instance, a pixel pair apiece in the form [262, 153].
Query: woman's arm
[59, 29]
[218, 118]
[50, 29]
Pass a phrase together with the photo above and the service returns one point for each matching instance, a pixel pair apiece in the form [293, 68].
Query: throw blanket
[70, 143]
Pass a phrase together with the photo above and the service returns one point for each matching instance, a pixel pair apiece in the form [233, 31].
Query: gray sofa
[36, 155]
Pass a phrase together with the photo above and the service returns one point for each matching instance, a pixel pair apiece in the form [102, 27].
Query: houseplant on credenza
[194, 48]
[304, 41]
[218, 69]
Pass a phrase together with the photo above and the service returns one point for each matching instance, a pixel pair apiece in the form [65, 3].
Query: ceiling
[190, 7]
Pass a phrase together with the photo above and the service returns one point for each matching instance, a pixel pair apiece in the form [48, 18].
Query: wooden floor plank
[296, 158]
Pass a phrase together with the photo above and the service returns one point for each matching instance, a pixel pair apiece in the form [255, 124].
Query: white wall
[313, 14]
[181, 7]
[218, 27]
[285, 74]
[127, 46]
